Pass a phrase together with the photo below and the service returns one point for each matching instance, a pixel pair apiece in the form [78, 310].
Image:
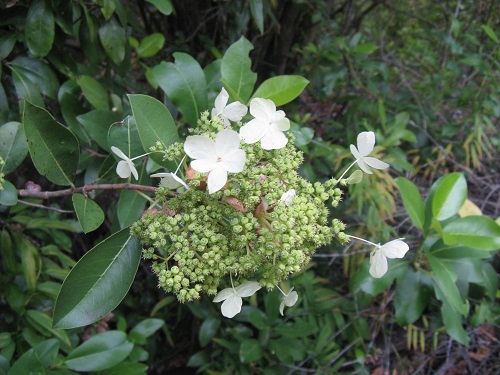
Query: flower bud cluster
[196, 239]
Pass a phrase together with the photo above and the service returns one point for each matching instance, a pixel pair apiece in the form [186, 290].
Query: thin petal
[180, 181]
[291, 298]
[234, 161]
[263, 109]
[355, 152]
[168, 180]
[199, 147]
[235, 111]
[217, 178]
[254, 130]
[366, 142]
[133, 170]
[203, 166]
[282, 125]
[123, 169]
[363, 165]
[231, 306]
[119, 153]
[273, 140]
[220, 102]
[394, 249]
[248, 288]
[226, 141]
[378, 264]
[282, 306]
[375, 163]
[224, 294]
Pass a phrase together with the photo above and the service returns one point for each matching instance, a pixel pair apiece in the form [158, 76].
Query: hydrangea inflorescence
[247, 213]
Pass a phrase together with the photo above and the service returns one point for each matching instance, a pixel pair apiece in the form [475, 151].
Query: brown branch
[83, 190]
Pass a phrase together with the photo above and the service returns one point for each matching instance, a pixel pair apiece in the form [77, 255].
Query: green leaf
[303, 135]
[113, 39]
[452, 320]
[441, 250]
[373, 286]
[89, 214]
[53, 148]
[237, 75]
[450, 196]
[94, 92]
[151, 45]
[13, 146]
[8, 196]
[250, 351]
[25, 88]
[489, 31]
[164, 6]
[444, 280]
[154, 123]
[184, 83]
[29, 260]
[413, 293]
[43, 324]
[282, 89]
[37, 359]
[130, 204]
[7, 43]
[412, 201]
[7, 253]
[124, 135]
[208, 330]
[288, 350]
[39, 74]
[71, 107]
[127, 368]
[97, 124]
[98, 282]
[257, 10]
[479, 232]
[148, 327]
[100, 352]
[40, 28]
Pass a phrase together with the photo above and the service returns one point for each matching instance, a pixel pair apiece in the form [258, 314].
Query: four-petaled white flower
[267, 126]
[125, 167]
[378, 257]
[366, 143]
[231, 112]
[170, 180]
[289, 299]
[232, 297]
[287, 197]
[217, 158]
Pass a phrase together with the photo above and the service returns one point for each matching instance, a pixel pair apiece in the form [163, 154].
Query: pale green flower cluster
[240, 208]
[263, 225]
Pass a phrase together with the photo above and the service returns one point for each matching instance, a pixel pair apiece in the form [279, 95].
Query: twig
[83, 190]
[44, 207]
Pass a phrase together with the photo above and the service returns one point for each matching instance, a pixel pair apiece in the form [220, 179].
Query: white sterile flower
[231, 112]
[170, 180]
[378, 257]
[288, 196]
[366, 143]
[125, 167]
[217, 158]
[267, 126]
[288, 299]
[232, 297]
